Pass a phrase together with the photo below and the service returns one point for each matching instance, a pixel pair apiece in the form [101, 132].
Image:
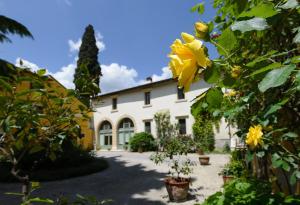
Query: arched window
[125, 132]
[105, 135]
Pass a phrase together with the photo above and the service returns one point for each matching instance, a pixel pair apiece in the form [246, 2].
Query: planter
[177, 188]
[204, 160]
[227, 179]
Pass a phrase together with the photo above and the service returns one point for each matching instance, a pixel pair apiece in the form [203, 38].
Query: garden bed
[58, 173]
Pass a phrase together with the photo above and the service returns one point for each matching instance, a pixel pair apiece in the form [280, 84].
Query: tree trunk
[25, 182]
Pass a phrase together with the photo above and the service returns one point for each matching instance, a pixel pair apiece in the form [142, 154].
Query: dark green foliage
[226, 148]
[204, 134]
[88, 71]
[72, 161]
[10, 26]
[142, 140]
[235, 168]
[249, 192]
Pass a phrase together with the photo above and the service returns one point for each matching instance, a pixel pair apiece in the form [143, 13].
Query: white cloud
[115, 76]
[27, 64]
[74, 46]
[166, 73]
[66, 75]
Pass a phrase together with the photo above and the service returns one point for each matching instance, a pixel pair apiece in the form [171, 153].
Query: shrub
[226, 147]
[249, 192]
[142, 140]
[204, 133]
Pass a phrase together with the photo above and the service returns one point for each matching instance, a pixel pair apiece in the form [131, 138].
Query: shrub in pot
[234, 169]
[141, 142]
[180, 167]
[204, 137]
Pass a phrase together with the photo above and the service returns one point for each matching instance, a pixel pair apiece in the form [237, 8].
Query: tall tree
[88, 71]
[8, 25]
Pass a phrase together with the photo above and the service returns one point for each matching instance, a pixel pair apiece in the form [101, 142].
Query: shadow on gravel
[119, 183]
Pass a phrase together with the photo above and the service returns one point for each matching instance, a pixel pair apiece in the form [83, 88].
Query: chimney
[149, 79]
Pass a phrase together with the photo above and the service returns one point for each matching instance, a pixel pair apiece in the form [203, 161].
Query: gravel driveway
[131, 179]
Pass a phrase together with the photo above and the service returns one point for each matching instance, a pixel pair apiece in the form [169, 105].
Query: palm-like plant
[10, 26]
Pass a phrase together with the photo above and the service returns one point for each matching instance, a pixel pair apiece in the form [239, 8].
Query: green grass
[90, 167]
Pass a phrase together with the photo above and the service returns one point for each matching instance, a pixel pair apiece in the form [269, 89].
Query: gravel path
[131, 179]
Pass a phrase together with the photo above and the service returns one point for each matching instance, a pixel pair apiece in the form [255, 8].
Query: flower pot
[177, 188]
[227, 178]
[140, 149]
[204, 160]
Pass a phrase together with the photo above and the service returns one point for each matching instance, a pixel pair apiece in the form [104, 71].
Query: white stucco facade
[131, 104]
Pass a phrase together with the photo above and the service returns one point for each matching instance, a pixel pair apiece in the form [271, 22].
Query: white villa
[122, 113]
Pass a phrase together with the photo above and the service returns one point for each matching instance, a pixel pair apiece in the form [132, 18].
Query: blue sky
[134, 35]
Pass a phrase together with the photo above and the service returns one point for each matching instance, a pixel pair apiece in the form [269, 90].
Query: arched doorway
[105, 135]
[125, 132]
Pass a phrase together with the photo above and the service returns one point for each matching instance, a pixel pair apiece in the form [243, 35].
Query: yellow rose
[236, 71]
[254, 136]
[201, 30]
[186, 58]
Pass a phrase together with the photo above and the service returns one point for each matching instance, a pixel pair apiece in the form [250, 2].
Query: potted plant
[203, 137]
[231, 170]
[175, 155]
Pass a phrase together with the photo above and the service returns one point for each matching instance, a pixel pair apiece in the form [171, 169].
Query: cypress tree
[88, 71]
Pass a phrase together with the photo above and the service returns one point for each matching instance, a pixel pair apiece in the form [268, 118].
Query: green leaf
[41, 72]
[6, 85]
[260, 154]
[276, 77]
[274, 108]
[261, 58]
[295, 59]
[212, 75]
[227, 41]
[40, 200]
[290, 4]
[214, 98]
[296, 39]
[266, 68]
[257, 24]
[199, 8]
[286, 166]
[36, 149]
[289, 136]
[262, 10]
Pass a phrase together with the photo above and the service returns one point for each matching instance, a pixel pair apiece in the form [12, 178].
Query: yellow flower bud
[236, 71]
[201, 30]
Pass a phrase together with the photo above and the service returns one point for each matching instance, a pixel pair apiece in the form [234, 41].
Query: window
[182, 126]
[147, 98]
[148, 127]
[114, 103]
[180, 93]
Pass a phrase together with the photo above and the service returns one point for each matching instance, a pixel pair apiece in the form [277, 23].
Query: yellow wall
[53, 84]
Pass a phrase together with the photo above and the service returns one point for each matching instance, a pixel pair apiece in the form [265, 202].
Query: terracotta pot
[227, 179]
[204, 160]
[177, 188]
